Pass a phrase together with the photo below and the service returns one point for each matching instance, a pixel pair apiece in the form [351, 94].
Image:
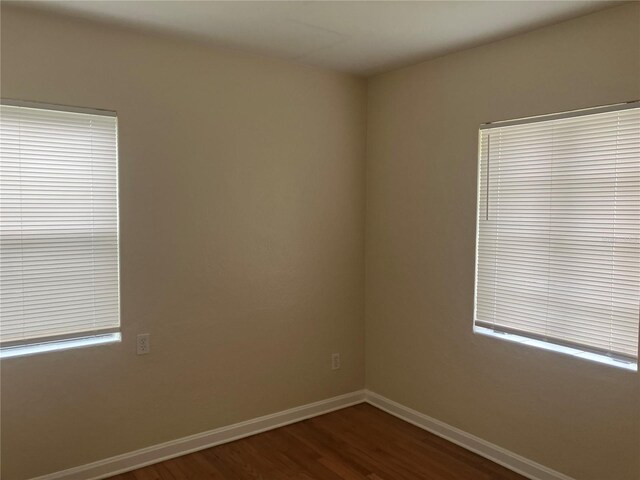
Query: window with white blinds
[558, 240]
[59, 224]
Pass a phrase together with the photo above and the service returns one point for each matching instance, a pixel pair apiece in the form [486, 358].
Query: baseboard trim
[499, 455]
[175, 448]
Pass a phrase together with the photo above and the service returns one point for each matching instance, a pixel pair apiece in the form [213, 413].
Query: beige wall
[580, 418]
[242, 229]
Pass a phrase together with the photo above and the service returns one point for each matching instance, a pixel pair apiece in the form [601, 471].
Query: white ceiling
[363, 37]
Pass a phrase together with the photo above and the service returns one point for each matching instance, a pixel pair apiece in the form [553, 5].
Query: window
[58, 228]
[558, 239]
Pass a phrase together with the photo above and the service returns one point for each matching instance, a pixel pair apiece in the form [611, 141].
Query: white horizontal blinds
[558, 254]
[59, 224]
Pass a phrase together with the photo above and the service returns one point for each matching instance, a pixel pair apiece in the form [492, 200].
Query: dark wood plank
[356, 443]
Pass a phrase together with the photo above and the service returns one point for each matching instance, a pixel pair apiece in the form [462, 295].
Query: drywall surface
[242, 229]
[580, 418]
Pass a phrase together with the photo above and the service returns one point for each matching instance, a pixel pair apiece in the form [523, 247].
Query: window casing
[558, 237]
[59, 270]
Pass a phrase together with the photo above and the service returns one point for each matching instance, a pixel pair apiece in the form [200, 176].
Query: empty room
[319, 240]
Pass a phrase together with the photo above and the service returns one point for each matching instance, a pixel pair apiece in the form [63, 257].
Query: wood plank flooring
[356, 443]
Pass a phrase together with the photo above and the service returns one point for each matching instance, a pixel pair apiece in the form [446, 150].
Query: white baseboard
[499, 455]
[175, 448]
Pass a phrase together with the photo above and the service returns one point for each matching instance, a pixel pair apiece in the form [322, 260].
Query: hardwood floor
[356, 443]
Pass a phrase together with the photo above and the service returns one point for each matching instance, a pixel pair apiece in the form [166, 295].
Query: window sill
[593, 357]
[52, 346]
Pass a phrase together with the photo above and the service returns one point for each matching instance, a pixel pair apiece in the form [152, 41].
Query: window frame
[532, 340]
[86, 338]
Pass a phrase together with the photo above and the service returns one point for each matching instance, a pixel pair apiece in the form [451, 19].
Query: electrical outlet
[335, 361]
[143, 345]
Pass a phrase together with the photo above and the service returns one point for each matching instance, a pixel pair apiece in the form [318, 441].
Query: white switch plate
[335, 361]
[143, 345]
